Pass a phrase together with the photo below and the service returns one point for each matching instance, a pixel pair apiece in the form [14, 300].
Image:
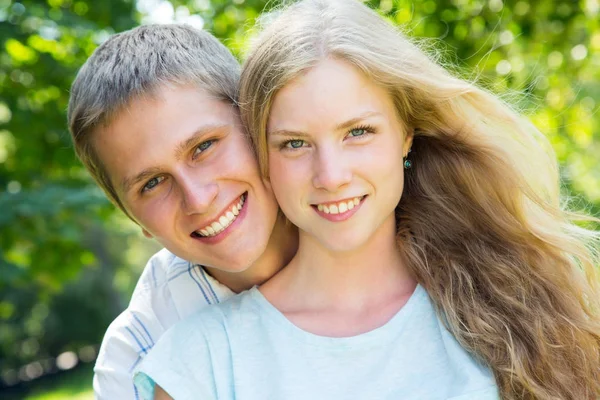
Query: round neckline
[393, 328]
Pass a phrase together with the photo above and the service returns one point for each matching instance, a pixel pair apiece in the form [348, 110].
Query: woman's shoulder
[183, 360]
[218, 317]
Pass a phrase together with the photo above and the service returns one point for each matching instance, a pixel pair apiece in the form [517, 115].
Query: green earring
[407, 164]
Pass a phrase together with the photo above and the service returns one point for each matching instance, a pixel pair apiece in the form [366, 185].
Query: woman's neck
[320, 279]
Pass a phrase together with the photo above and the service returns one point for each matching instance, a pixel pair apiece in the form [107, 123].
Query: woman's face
[335, 155]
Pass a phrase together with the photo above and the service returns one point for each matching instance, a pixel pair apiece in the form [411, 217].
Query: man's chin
[230, 265]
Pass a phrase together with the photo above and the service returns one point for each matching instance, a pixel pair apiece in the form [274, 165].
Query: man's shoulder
[168, 290]
[151, 311]
[157, 269]
[171, 288]
[164, 268]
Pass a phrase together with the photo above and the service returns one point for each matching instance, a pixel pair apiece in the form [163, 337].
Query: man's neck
[281, 248]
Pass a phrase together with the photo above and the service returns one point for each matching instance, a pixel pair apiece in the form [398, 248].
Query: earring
[407, 162]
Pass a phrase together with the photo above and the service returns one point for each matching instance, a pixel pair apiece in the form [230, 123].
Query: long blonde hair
[480, 222]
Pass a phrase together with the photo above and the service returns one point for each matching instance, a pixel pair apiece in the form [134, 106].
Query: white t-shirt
[245, 348]
[168, 290]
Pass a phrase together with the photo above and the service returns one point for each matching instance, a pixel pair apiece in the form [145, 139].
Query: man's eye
[203, 147]
[294, 144]
[152, 183]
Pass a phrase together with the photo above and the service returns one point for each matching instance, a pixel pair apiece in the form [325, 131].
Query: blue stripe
[180, 264]
[141, 335]
[143, 326]
[198, 283]
[142, 348]
[135, 364]
[178, 274]
[137, 395]
[198, 274]
[153, 274]
[203, 272]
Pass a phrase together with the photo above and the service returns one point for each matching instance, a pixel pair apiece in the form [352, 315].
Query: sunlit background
[69, 261]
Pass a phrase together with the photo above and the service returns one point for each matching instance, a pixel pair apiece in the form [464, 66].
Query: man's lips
[224, 220]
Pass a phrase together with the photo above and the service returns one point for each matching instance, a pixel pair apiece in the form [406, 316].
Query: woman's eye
[294, 144]
[203, 147]
[357, 132]
[152, 183]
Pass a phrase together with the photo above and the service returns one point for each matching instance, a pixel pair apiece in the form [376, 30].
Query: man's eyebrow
[342, 126]
[129, 182]
[196, 136]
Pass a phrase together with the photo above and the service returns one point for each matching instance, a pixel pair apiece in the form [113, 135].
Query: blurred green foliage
[59, 248]
[63, 245]
[72, 385]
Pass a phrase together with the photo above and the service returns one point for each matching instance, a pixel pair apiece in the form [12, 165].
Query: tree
[59, 234]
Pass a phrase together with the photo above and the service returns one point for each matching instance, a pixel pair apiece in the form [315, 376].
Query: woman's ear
[408, 140]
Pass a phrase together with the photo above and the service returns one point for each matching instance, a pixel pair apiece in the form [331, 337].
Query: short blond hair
[134, 64]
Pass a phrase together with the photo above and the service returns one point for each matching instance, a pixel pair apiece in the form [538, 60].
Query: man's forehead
[155, 129]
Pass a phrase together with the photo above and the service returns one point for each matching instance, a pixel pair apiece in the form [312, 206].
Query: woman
[413, 191]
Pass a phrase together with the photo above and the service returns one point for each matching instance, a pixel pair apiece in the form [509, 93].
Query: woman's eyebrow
[341, 126]
[287, 132]
[356, 120]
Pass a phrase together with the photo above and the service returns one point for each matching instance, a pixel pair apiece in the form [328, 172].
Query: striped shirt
[168, 290]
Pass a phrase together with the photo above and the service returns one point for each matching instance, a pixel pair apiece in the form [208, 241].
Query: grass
[72, 385]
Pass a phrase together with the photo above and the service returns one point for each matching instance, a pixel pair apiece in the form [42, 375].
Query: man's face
[182, 166]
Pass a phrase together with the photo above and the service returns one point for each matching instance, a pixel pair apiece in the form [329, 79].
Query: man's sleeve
[130, 337]
[118, 355]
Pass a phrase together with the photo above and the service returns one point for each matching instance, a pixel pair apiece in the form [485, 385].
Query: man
[153, 116]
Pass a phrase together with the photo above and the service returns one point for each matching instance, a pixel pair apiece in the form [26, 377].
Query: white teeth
[340, 207]
[224, 220]
[217, 227]
[343, 207]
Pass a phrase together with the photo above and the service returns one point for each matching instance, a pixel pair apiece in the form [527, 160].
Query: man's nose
[197, 194]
